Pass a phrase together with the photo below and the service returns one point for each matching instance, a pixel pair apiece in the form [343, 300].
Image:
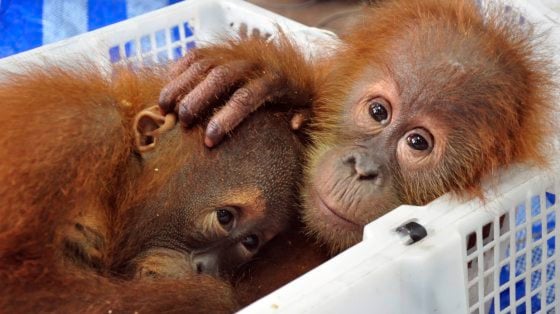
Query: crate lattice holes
[511, 261]
[173, 42]
[158, 47]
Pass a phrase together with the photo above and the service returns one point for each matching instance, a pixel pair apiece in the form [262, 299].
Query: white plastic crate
[166, 34]
[494, 257]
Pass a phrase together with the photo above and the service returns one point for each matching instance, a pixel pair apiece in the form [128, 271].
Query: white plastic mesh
[512, 261]
[155, 47]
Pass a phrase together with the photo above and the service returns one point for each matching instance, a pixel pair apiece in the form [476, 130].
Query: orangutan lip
[332, 212]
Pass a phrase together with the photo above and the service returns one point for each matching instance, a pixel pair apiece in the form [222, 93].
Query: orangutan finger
[183, 64]
[218, 81]
[185, 82]
[244, 101]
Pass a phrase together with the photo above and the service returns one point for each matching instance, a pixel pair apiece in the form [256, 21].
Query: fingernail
[208, 142]
[185, 115]
[164, 101]
[213, 134]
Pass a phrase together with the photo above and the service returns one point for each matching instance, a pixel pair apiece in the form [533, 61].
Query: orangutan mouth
[334, 216]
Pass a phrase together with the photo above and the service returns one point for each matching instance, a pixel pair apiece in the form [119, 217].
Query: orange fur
[476, 81]
[513, 119]
[69, 139]
[92, 222]
[480, 76]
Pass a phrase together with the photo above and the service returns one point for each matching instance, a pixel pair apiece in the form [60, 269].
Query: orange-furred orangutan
[421, 98]
[106, 206]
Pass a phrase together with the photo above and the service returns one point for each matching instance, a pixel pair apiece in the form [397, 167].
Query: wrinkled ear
[149, 124]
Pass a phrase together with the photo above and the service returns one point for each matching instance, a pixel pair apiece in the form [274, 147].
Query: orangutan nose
[205, 264]
[363, 166]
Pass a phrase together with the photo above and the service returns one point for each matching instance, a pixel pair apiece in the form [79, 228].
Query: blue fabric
[102, 13]
[26, 24]
[21, 26]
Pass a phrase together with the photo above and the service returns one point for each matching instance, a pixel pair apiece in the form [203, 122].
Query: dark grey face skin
[221, 205]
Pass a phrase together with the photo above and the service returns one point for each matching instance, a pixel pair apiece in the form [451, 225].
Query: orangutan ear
[149, 124]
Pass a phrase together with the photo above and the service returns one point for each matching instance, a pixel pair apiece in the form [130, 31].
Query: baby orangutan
[421, 98]
[236, 203]
[101, 191]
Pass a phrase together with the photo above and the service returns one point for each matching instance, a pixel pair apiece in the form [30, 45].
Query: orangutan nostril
[349, 160]
[199, 268]
[368, 175]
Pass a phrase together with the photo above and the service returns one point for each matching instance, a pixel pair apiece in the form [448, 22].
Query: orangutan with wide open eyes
[422, 97]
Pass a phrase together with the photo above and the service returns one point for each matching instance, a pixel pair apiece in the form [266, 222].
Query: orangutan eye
[224, 216]
[419, 140]
[379, 110]
[251, 242]
[416, 141]
[415, 147]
